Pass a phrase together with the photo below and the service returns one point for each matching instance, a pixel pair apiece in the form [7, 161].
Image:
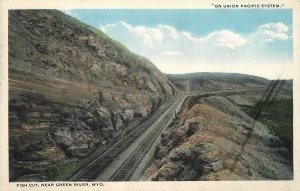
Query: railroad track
[128, 168]
[92, 170]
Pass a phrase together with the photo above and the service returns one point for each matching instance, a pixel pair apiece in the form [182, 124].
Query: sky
[250, 41]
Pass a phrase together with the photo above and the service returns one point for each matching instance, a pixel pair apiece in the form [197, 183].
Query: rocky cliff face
[72, 89]
[212, 139]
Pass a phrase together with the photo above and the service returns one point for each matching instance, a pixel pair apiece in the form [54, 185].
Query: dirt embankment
[212, 139]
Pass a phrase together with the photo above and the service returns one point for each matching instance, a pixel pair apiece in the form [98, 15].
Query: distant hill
[213, 81]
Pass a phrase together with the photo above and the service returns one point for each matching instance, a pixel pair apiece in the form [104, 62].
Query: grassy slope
[278, 117]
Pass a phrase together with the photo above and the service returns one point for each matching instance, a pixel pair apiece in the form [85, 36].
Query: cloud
[273, 31]
[148, 36]
[176, 51]
[156, 36]
[70, 12]
[172, 53]
[166, 40]
[67, 11]
[226, 38]
[278, 27]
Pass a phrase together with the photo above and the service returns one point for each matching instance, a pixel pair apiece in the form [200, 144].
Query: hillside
[73, 91]
[213, 138]
[206, 81]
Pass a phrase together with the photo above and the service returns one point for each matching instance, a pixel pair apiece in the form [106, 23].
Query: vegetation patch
[62, 171]
[278, 116]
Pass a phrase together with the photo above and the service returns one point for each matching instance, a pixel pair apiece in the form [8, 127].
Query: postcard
[152, 95]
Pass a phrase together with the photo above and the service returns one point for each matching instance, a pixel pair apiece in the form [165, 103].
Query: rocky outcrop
[214, 140]
[72, 90]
